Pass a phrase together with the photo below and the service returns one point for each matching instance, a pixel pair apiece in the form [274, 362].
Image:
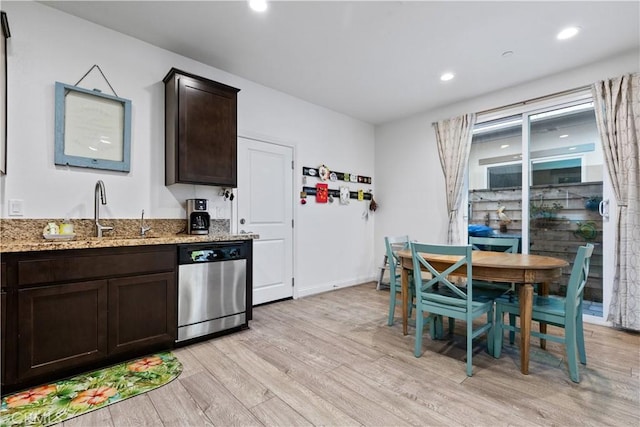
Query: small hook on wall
[227, 194]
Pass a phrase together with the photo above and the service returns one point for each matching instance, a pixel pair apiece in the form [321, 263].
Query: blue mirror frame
[77, 129]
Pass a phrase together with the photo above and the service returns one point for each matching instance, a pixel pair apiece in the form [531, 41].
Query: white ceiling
[377, 60]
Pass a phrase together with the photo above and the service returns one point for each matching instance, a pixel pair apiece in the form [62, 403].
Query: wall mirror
[93, 129]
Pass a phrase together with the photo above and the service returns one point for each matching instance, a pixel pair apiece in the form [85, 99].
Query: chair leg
[512, 322]
[382, 270]
[452, 325]
[498, 333]
[469, 347]
[571, 345]
[417, 351]
[490, 333]
[411, 302]
[582, 353]
[392, 305]
[435, 326]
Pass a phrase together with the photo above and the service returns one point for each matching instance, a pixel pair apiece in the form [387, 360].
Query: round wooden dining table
[523, 269]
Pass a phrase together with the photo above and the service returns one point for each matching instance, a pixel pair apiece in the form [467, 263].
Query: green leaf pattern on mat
[54, 403]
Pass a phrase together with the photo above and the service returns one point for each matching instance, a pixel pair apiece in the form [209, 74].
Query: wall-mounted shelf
[337, 176]
[311, 191]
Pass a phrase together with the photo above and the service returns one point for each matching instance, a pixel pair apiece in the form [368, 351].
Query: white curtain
[617, 105]
[454, 144]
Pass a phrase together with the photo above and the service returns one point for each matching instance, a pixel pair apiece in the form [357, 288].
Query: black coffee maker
[198, 218]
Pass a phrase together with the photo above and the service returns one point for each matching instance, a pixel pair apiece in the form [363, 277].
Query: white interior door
[265, 207]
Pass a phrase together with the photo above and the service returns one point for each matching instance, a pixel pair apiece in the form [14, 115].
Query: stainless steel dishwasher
[212, 288]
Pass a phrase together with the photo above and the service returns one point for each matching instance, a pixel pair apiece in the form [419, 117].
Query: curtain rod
[540, 98]
[532, 100]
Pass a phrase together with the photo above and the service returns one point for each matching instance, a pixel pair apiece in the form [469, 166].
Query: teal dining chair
[564, 312]
[495, 244]
[440, 297]
[393, 245]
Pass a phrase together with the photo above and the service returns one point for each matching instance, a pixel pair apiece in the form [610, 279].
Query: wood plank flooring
[331, 360]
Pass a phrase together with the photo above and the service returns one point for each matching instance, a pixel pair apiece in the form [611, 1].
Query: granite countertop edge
[111, 242]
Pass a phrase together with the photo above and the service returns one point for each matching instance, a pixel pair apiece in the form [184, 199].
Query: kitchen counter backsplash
[26, 234]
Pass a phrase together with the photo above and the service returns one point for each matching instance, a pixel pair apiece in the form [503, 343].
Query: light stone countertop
[109, 242]
[26, 235]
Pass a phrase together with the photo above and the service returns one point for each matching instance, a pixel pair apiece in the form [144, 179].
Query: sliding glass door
[540, 176]
[565, 188]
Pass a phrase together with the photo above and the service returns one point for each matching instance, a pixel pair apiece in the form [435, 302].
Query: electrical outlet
[16, 207]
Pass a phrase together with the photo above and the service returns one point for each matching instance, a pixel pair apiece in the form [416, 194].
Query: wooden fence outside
[555, 232]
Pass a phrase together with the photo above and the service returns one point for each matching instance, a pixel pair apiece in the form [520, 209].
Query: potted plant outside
[544, 215]
[592, 203]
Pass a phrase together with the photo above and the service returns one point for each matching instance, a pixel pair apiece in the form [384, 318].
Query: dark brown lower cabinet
[142, 312]
[60, 327]
[69, 311]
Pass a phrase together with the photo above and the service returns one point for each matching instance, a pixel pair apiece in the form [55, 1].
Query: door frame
[608, 226]
[265, 139]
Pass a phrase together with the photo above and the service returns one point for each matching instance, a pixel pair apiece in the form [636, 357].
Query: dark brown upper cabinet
[200, 130]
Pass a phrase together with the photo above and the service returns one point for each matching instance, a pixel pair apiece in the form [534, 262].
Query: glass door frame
[526, 110]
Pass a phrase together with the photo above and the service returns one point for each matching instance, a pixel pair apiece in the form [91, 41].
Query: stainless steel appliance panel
[211, 290]
[210, 326]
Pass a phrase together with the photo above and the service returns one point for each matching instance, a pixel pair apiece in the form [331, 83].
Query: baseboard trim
[326, 287]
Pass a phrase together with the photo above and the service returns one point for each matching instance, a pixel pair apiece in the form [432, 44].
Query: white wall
[48, 46]
[409, 180]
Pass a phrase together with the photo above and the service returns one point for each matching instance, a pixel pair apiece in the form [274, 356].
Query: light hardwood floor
[331, 360]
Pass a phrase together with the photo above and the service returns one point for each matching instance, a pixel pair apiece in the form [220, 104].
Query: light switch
[16, 207]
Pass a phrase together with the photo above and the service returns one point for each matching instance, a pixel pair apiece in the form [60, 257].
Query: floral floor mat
[56, 402]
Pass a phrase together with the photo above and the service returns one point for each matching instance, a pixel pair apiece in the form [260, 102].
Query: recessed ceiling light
[447, 76]
[572, 148]
[504, 145]
[567, 33]
[258, 5]
[564, 136]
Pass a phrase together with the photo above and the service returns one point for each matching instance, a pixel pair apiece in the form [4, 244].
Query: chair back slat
[441, 277]
[496, 244]
[578, 279]
[393, 244]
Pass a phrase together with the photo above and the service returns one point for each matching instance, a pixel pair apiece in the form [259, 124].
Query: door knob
[242, 221]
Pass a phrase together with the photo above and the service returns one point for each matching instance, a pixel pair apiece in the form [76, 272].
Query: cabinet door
[61, 327]
[207, 135]
[142, 313]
